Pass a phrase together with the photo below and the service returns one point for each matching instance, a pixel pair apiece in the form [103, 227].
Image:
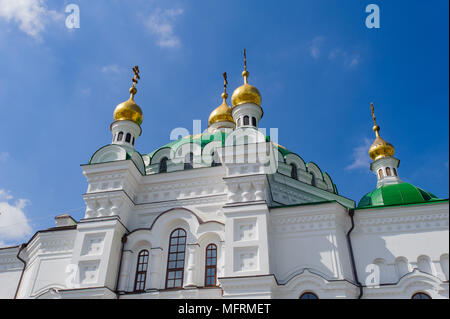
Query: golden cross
[136, 75]
[373, 113]
[225, 82]
[245, 61]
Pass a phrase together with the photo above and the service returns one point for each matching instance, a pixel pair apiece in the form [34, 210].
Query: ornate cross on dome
[373, 114]
[136, 75]
[376, 128]
[225, 82]
[245, 61]
[245, 74]
[135, 79]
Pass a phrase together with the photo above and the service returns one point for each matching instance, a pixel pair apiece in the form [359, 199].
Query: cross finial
[373, 113]
[245, 61]
[245, 74]
[136, 75]
[376, 128]
[225, 83]
[135, 79]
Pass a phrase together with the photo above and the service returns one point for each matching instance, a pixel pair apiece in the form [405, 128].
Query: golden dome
[246, 93]
[380, 148]
[222, 113]
[129, 110]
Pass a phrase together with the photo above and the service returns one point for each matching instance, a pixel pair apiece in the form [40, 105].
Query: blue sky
[315, 63]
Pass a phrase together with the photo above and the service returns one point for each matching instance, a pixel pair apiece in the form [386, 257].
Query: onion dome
[246, 93]
[223, 112]
[129, 110]
[380, 148]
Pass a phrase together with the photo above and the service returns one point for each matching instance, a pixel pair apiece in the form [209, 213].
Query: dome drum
[254, 115]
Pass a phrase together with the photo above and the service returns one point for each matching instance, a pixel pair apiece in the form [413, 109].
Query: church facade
[229, 213]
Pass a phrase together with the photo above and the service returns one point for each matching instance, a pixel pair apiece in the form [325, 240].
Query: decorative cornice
[411, 221]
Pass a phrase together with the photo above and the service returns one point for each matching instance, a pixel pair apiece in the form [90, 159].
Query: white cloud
[14, 225]
[315, 47]
[31, 15]
[348, 59]
[319, 46]
[360, 156]
[161, 23]
[5, 195]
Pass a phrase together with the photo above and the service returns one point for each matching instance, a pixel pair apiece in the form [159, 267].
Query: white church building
[229, 213]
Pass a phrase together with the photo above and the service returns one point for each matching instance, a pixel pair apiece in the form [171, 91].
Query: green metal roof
[396, 194]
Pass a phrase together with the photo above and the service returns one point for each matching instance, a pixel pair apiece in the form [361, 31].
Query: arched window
[163, 165]
[120, 136]
[132, 141]
[141, 271]
[215, 159]
[188, 161]
[420, 295]
[308, 295]
[128, 138]
[253, 121]
[239, 122]
[388, 171]
[175, 260]
[380, 173]
[211, 265]
[294, 171]
[246, 120]
[395, 171]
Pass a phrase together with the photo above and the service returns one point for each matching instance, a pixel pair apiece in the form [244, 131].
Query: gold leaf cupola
[246, 101]
[384, 165]
[126, 127]
[221, 116]
[380, 148]
[129, 110]
[246, 93]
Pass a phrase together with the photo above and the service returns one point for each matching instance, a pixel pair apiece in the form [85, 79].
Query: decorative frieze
[297, 223]
[405, 223]
[181, 190]
[56, 245]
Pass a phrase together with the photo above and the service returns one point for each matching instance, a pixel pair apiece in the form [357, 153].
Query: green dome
[396, 194]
